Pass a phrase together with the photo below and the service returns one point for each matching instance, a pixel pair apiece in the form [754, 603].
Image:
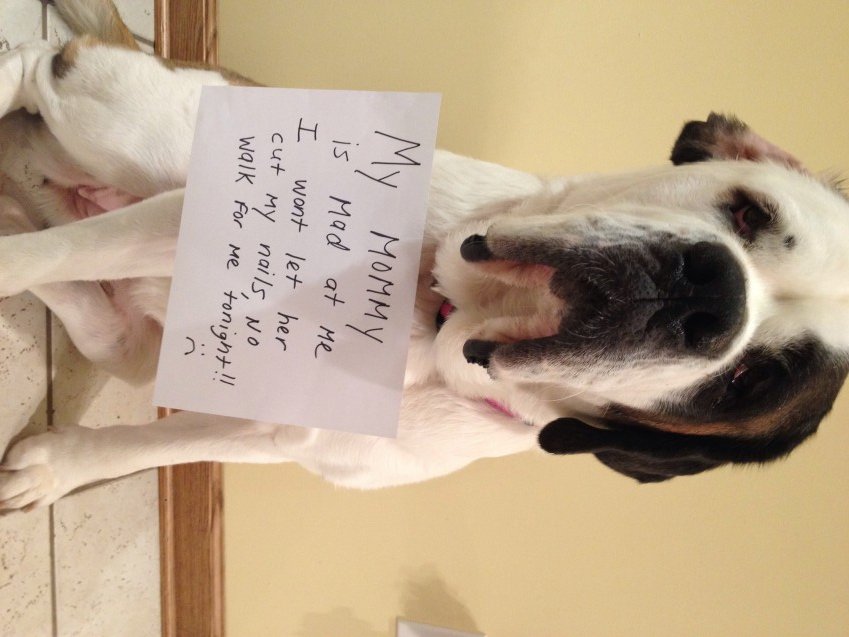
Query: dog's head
[693, 315]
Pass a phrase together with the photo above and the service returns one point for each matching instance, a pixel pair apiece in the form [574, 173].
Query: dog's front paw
[39, 470]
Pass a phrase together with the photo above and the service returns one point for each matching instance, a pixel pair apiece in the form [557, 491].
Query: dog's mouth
[445, 310]
[649, 300]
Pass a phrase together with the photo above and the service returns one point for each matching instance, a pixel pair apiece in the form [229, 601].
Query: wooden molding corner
[190, 496]
[191, 550]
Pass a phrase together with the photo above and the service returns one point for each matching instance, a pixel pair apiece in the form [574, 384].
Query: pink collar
[497, 406]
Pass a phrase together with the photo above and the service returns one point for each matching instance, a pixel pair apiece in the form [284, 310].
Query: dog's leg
[125, 345]
[136, 241]
[442, 434]
[40, 469]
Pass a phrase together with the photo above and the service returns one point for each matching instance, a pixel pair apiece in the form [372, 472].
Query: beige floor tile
[23, 365]
[25, 571]
[137, 15]
[57, 31]
[20, 21]
[107, 560]
[106, 539]
[25, 584]
[25, 593]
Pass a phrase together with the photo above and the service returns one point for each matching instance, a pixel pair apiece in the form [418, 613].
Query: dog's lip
[479, 352]
[474, 249]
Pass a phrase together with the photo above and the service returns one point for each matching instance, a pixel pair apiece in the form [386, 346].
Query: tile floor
[89, 565]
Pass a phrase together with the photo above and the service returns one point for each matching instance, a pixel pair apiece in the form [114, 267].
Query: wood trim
[191, 550]
[190, 496]
[186, 30]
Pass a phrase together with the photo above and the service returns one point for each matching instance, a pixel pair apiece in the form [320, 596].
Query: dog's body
[692, 315]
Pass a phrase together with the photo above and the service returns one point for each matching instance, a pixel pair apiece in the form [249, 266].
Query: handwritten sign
[298, 256]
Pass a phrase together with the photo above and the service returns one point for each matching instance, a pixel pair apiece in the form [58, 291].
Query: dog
[668, 321]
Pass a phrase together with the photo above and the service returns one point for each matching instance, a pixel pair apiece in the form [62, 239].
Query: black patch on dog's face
[797, 383]
[766, 405]
[697, 141]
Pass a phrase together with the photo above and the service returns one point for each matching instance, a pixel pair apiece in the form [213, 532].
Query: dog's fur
[668, 321]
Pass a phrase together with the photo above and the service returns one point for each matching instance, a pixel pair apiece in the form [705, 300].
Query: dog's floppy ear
[647, 455]
[726, 137]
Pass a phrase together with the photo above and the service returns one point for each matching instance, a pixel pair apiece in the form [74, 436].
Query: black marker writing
[221, 330]
[381, 180]
[304, 129]
[277, 154]
[296, 216]
[294, 265]
[233, 259]
[253, 324]
[240, 212]
[270, 208]
[367, 332]
[334, 239]
[408, 161]
[325, 341]
[227, 379]
[333, 297]
[247, 169]
[263, 264]
[283, 321]
[380, 267]
[340, 150]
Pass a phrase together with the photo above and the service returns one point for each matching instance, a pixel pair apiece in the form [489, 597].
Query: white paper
[406, 628]
[298, 256]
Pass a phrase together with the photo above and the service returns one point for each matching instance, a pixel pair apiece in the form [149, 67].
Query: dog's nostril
[705, 262]
[701, 330]
[474, 248]
[479, 352]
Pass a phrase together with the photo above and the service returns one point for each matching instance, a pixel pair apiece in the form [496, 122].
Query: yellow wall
[534, 545]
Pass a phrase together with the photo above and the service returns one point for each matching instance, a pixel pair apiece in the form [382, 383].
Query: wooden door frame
[190, 496]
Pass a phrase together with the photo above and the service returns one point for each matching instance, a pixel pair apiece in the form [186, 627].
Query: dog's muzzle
[661, 299]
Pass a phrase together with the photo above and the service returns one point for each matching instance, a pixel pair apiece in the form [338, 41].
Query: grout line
[54, 614]
[48, 338]
[142, 39]
[51, 513]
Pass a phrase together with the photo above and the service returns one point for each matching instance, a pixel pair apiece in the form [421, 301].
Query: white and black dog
[668, 321]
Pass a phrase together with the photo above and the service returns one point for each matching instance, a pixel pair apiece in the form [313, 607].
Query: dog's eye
[738, 379]
[748, 216]
[749, 382]
[748, 219]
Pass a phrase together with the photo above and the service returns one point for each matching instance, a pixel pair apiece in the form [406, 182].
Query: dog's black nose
[474, 248]
[713, 265]
[716, 306]
[478, 352]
